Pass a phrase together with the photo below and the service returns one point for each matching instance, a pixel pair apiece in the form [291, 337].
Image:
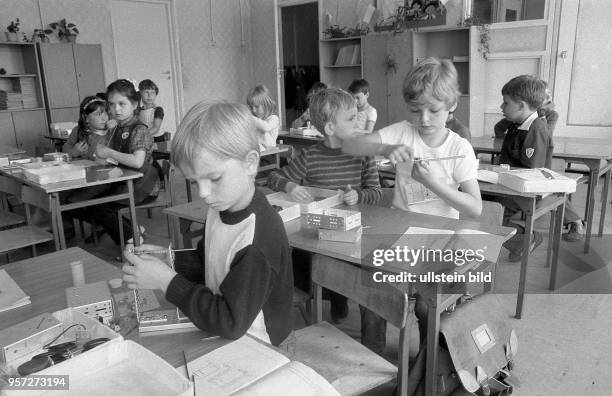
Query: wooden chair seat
[21, 237]
[10, 219]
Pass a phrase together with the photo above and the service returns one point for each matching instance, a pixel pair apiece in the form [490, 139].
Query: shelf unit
[21, 125]
[350, 67]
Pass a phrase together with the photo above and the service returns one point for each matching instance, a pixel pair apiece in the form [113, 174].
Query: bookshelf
[22, 109]
[340, 60]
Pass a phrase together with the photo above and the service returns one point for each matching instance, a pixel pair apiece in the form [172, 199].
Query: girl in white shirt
[267, 123]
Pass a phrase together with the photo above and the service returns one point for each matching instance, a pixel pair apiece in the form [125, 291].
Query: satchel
[476, 352]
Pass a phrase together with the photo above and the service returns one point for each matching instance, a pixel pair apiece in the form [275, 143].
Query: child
[366, 114]
[431, 90]
[91, 130]
[305, 117]
[267, 123]
[130, 145]
[323, 165]
[148, 113]
[528, 144]
[456, 126]
[239, 280]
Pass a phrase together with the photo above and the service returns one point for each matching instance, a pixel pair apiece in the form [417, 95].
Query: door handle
[166, 72]
[563, 55]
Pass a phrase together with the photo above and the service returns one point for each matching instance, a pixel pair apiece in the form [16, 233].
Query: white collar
[527, 123]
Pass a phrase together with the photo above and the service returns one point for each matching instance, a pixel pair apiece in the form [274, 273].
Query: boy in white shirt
[431, 91]
[366, 113]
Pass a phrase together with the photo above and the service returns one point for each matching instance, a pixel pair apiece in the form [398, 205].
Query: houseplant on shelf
[41, 35]
[66, 31]
[12, 30]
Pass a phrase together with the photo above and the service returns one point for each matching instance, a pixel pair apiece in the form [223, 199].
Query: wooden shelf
[339, 66]
[16, 43]
[340, 39]
[16, 110]
[17, 75]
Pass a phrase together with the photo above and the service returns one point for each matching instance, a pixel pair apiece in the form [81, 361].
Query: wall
[214, 56]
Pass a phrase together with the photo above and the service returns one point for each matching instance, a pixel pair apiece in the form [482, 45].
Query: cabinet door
[59, 75]
[7, 131]
[374, 48]
[399, 48]
[64, 115]
[29, 126]
[89, 69]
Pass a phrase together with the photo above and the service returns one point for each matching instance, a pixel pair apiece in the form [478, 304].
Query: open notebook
[249, 367]
[11, 295]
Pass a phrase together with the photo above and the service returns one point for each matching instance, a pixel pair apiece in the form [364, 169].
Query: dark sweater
[259, 278]
[527, 149]
[323, 167]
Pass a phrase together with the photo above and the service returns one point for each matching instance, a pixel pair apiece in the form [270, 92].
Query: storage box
[26, 337]
[349, 236]
[53, 172]
[287, 210]
[304, 131]
[322, 199]
[117, 368]
[334, 219]
[538, 180]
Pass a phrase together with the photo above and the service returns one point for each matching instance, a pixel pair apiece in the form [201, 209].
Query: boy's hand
[299, 193]
[426, 173]
[350, 196]
[111, 124]
[398, 153]
[146, 271]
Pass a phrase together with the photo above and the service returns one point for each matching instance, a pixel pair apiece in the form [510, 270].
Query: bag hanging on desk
[475, 356]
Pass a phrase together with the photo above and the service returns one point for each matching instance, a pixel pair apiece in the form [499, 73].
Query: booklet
[250, 367]
[11, 295]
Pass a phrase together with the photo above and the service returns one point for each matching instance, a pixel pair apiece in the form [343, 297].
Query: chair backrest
[169, 172]
[492, 213]
[8, 186]
[387, 198]
[36, 198]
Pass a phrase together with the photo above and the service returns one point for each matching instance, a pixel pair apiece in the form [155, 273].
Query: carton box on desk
[53, 172]
[289, 209]
[322, 199]
[538, 180]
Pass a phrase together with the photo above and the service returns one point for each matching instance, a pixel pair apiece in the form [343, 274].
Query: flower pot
[41, 39]
[71, 38]
[11, 37]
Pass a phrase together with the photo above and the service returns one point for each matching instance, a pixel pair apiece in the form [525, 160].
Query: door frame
[175, 53]
[280, 65]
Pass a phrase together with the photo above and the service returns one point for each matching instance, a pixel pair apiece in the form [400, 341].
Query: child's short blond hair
[325, 104]
[223, 129]
[437, 77]
[259, 95]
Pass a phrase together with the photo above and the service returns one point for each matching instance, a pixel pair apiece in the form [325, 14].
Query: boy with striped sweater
[323, 165]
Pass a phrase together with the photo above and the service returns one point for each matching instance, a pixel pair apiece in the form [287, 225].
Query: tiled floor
[565, 337]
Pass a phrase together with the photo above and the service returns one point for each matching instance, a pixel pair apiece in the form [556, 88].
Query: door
[89, 69]
[582, 81]
[144, 50]
[300, 57]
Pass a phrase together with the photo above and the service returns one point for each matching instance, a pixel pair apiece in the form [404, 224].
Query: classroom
[305, 197]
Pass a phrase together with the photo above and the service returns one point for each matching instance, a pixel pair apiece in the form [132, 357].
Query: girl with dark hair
[92, 128]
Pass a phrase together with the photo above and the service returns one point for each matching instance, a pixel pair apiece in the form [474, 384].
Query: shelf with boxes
[341, 60]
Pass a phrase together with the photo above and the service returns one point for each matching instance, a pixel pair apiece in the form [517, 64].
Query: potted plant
[41, 35]
[66, 31]
[11, 31]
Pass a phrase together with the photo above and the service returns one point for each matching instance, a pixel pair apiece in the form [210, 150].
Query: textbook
[249, 367]
[11, 295]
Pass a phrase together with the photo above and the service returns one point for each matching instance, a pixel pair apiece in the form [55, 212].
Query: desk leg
[551, 235]
[433, 338]
[135, 229]
[593, 179]
[552, 284]
[185, 232]
[525, 259]
[54, 227]
[604, 199]
[188, 188]
[56, 207]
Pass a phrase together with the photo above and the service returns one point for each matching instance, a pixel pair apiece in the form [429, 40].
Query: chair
[163, 200]
[9, 187]
[28, 235]
[349, 366]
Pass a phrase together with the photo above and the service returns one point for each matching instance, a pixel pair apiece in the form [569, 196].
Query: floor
[564, 337]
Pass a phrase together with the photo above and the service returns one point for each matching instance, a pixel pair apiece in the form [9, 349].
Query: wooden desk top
[59, 138]
[565, 147]
[10, 150]
[286, 134]
[45, 278]
[93, 178]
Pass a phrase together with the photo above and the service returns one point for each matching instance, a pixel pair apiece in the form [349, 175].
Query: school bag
[476, 352]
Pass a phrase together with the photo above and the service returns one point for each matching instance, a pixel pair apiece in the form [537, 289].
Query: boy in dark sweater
[323, 165]
[239, 280]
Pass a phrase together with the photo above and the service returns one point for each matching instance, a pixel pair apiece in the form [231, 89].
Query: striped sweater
[324, 167]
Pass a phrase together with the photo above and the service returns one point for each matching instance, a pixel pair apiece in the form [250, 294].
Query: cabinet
[70, 72]
[341, 61]
[22, 110]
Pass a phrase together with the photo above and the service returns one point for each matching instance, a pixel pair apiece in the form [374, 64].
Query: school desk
[93, 178]
[379, 221]
[594, 153]
[58, 141]
[45, 279]
[296, 140]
